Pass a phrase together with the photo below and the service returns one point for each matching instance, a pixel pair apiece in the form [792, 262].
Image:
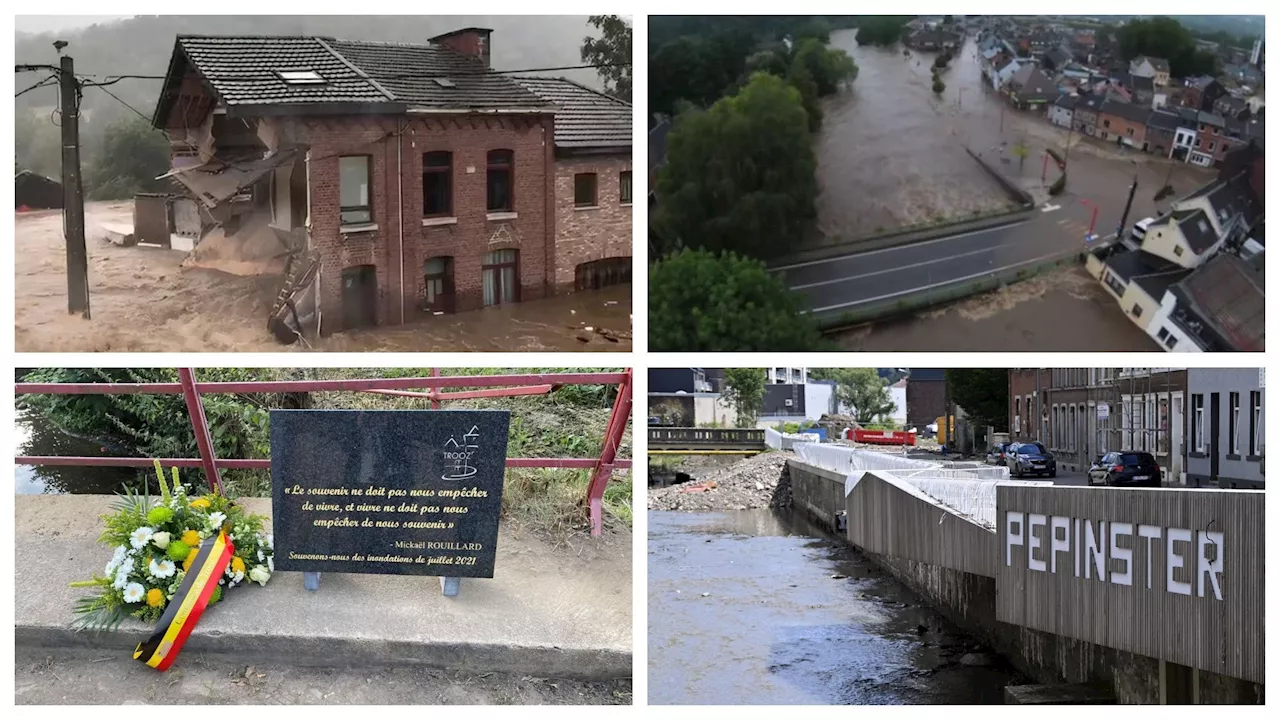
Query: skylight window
[301, 77]
[446, 83]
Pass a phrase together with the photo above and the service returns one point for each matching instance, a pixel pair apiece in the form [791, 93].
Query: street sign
[1104, 411]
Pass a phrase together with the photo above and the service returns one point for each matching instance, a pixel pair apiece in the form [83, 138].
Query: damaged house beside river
[387, 183]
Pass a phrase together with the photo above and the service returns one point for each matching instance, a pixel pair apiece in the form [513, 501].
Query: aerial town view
[897, 536]
[262, 183]
[955, 182]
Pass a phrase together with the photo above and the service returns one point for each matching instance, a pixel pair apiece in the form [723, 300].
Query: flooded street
[759, 607]
[143, 300]
[1065, 310]
[33, 435]
[891, 152]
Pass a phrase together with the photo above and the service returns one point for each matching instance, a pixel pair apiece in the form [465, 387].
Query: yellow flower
[237, 565]
[155, 598]
[200, 503]
[191, 557]
[192, 538]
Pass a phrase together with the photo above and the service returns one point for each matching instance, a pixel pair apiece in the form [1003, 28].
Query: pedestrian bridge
[706, 441]
[1155, 595]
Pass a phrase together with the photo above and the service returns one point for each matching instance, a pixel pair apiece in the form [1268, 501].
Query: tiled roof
[244, 71]
[586, 118]
[1134, 113]
[1228, 294]
[473, 87]
[1164, 120]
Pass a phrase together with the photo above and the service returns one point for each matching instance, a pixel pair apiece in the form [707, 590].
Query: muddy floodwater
[144, 300]
[760, 607]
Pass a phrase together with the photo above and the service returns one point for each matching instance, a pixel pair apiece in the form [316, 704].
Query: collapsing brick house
[392, 182]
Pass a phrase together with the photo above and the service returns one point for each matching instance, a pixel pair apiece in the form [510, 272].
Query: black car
[1126, 468]
[1030, 458]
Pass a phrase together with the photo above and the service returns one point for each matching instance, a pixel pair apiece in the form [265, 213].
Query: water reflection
[34, 435]
[762, 607]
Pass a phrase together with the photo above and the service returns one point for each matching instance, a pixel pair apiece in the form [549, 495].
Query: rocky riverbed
[755, 483]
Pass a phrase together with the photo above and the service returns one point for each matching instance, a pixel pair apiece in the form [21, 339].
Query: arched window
[501, 181]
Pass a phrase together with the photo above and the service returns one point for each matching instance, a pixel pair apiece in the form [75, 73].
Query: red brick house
[593, 185]
[415, 180]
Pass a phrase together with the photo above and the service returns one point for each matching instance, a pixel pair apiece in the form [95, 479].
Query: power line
[111, 79]
[122, 102]
[40, 84]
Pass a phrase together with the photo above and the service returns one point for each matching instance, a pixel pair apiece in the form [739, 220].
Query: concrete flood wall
[953, 562]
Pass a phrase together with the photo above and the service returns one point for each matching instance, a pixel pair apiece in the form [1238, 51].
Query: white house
[1061, 110]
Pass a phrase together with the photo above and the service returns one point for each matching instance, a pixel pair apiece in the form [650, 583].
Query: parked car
[1126, 468]
[1030, 458]
[1139, 230]
[995, 456]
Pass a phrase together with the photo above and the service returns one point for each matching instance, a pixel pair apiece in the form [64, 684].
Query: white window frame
[1197, 415]
[1234, 441]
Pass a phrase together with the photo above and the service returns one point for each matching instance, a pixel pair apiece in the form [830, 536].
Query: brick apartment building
[1145, 409]
[420, 181]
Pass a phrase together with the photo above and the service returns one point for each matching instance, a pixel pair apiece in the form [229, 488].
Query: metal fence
[490, 386]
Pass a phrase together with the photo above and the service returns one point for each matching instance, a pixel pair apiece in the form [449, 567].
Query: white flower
[134, 592]
[122, 573]
[271, 542]
[115, 561]
[141, 537]
[163, 569]
[160, 540]
[259, 575]
[261, 556]
[271, 562]
[216, 520]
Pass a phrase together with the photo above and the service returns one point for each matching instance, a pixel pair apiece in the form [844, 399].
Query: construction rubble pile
[757, 482]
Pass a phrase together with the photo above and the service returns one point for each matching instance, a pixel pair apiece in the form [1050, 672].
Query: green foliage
[1021, 151]
[39, 145]
[860, 389]
[744, 390]
[983, 393]
[739, 176]
[800, 78]
[942, 61]
[1164, 37]
[612, 48]
[133, 155]
[883, 30]
[700, 301]
[828, 67]
[938, 86]
[158, 425]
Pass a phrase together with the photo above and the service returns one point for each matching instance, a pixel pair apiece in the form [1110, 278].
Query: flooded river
[36, 436]
[760, 607]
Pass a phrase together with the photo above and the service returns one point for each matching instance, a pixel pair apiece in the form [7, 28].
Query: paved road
[839, 283]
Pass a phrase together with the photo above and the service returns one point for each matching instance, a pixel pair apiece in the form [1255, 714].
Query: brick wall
[586, 234]
[466, 237]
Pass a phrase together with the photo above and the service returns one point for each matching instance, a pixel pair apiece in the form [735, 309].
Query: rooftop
[1227, 294]
[586, 118]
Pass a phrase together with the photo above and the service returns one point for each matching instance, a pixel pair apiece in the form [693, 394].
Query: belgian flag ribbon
[186, 607]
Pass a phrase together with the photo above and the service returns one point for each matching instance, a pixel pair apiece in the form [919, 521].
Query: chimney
[472, 42]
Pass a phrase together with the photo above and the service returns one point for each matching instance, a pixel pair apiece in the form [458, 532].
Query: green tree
[983, 393]
[744, 390]
[133, 155]
[938, 86]
[1164, 37]
[883, 30]
[803, 81]
[39, 146]
[701, 302]
[861, 389]
[828, 67]
[612, 49]
[1021, 151]
[740, 176]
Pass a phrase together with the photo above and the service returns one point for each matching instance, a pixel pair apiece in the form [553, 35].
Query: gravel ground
[758, 482]
[57, 677]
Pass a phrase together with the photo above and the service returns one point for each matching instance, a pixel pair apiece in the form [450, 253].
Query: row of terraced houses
[411, 180]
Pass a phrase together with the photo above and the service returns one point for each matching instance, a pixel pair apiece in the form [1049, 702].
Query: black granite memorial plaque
[403, 492]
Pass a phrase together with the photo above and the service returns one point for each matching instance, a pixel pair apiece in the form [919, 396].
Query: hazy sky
[48, 23]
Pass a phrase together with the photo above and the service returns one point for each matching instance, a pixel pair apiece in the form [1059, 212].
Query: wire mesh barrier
[486, 386]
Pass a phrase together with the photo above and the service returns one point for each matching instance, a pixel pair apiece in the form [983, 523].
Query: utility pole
[73, 192]
[1128, 204]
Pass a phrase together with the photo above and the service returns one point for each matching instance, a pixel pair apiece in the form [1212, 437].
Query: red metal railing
[490, 386]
